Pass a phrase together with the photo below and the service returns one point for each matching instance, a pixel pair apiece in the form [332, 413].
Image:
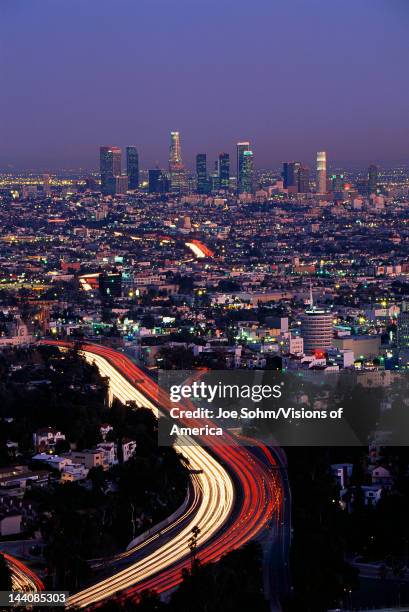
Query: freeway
[238, 495]
[22, 577]
[199, 249]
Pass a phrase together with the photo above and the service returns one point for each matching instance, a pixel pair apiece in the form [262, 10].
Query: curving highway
[23, 578]
[237, 495]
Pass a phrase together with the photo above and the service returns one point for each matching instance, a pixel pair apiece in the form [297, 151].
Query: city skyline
[302, 71]
[191, 165]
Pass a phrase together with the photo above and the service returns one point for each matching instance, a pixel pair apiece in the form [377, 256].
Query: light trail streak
[215, 487]
[199, 249]
[197, 252]
[226, 470]
[23, 578]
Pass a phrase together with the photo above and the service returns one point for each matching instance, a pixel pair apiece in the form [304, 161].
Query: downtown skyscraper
[110, 165]
[224, 171]
[178, 179]
[290, 174]
[244, 167]
[303, 179]
[321, 172]
[372, 178]
[201, 174]
[132, 167]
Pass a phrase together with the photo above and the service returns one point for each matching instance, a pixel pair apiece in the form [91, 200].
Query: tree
[192, 543]
[233, 583]
[320, 574]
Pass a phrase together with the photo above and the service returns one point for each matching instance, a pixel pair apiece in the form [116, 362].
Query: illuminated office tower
[175, 152]
[201, 173]
[178, 179]
[247, 172]
[242, 147]
[372, 178]
[321, 172]
[110, 162]
[303, 179]
[132, 167]
[224, 171]
[290, 172]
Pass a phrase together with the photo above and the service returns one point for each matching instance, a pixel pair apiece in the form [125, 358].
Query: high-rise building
[132, 167]
[153, 184]
[158, 181]
[372, 178]
[224, 171]
[175, 151]
[303, 179]
[290, 172]
[110, 164]
[178, 179]
[242, 147]
[321, 172]
[164, 183]
[214, 180]
[201, 173]
[247, 176]
[316, 328]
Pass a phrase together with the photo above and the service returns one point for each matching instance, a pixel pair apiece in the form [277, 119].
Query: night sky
[293, 76]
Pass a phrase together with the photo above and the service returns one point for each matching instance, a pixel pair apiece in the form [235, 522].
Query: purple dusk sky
[292, 76]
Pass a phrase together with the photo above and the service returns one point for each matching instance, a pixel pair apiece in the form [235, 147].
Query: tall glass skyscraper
[110, 164]
[321, 172]
[158, 181]
[224, 171]
[372, 178]
[246, 178]
[303, 179]
[132, 167]
[242, 147]
[177, 170]
[201, 173]
[175, 152]
[290, 174]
